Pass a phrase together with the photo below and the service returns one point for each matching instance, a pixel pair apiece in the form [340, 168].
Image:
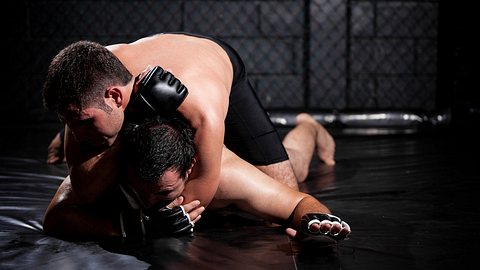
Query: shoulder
[114, 48]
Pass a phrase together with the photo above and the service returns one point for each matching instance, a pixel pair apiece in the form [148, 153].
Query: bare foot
[325, 145]
[55, 154]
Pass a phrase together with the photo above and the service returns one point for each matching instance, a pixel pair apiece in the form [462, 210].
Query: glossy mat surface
[412, 202]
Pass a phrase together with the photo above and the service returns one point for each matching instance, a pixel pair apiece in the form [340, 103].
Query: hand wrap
[317, 218]
[156, 221]
[159, 92]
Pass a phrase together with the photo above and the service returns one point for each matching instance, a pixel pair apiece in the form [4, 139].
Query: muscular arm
[69, 218]
[91, 170]
[246, 187]
[206, 114]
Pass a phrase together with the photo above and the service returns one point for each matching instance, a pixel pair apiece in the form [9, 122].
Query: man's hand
[174, 219]
[158, 220]
[190, 208]
[317, 224]
[156, 91]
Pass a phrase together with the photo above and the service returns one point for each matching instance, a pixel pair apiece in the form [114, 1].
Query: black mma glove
[163, 222]
[156, 221]
[159, 92]
[309, 219]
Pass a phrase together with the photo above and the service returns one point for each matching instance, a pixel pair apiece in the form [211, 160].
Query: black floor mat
[410, 200]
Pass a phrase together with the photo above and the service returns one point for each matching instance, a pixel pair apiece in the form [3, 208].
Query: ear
[194, 160]
[115, 94]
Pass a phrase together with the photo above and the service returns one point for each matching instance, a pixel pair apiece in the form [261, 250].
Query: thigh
[249, 132]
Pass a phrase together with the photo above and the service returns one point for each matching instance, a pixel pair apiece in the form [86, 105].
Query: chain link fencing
[310, 55]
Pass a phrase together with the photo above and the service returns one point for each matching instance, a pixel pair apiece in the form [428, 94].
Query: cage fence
[329, 57]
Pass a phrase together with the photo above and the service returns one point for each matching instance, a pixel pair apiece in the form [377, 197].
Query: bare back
[191, 59]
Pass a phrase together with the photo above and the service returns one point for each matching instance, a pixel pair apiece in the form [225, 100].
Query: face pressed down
[169, 186]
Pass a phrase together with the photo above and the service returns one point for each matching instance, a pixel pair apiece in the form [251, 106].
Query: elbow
[51, 222]
[56, 223]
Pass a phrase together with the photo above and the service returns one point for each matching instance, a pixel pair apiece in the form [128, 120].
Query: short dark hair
[80, 73]
[160, 144]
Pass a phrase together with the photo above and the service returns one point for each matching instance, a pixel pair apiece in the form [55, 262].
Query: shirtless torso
[205, 69]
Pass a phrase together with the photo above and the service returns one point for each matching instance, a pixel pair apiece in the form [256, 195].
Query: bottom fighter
[160, 157]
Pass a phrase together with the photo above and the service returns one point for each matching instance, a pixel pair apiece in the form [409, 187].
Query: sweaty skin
[206, 72]
[205, 69]
[241, 185]
[93, 148]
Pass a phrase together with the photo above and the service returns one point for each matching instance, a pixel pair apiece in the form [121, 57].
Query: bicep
[206, 114]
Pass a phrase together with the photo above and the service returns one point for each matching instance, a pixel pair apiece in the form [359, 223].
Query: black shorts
[249, 132]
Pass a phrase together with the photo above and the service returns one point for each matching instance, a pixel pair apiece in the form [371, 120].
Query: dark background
[320, 56]
[411, 200]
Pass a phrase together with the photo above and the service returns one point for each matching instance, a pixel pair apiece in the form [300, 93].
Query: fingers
[177, 202]
[345, 230]
[291, 232]
[333, 228]
[193, 210]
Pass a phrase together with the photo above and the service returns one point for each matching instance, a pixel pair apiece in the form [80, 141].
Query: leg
[303, 140]
[250, 133]
[68, 218]
[55, 151]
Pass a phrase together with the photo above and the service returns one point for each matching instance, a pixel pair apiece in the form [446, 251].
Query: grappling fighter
[90, 87]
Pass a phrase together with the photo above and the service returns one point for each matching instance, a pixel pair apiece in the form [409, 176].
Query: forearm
[94, 176]
[200, 189]
[92, 172]
[204, 180]
[81, 223]
[67, 217]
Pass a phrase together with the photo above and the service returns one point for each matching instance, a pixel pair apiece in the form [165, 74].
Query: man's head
[78, 87]
[160, 153]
